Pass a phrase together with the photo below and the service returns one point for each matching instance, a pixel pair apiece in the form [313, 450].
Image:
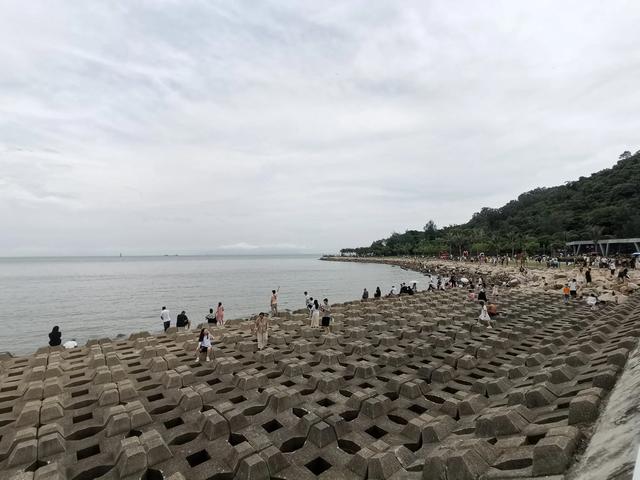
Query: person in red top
[566, 291]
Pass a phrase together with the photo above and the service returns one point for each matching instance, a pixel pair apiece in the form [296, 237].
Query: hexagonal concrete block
[584, 408]
[438, 429]
[552, 455]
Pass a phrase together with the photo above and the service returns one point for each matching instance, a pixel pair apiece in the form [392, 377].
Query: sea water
[95, 297]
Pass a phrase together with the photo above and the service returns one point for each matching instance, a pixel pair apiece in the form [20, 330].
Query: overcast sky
[243, 126]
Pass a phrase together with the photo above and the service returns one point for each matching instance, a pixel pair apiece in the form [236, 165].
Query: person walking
[482, 295]
[204, 344]
[587, 275]
[612, 267]
[261, 330]
[211, 317]
[165, 316]
[274, 302]
[565, 292]
[325, 308]
[484, 315]
[573, 288]
[220, 314]
[55, 337]
[315, 314]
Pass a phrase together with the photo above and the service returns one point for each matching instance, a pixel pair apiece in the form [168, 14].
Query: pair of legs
[199, 351]
[326, 324]
[263, 338]
[274, 309]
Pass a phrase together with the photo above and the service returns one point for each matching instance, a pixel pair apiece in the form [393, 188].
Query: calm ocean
[92, 297]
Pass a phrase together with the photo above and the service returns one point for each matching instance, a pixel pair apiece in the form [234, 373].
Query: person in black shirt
[482, 296]
[587, 275]
[378, 293]
[55, 337]
[182, 320]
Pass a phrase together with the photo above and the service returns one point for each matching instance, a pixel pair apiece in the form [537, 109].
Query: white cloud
[194, 126]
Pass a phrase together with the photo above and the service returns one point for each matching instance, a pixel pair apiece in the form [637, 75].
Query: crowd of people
[320, 312]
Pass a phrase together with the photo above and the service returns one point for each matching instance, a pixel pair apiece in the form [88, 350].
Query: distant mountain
[603, 205]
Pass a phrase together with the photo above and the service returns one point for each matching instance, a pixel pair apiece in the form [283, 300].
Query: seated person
[182, 320]
[55, 337]
[492, 309]
[210, 317]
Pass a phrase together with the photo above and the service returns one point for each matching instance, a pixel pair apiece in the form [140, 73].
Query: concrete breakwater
[403, 387]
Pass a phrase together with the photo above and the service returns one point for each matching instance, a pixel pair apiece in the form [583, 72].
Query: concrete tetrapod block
[120, 423]
[49, 472]
[49, 445]
[276, 461]
[321, 434]
[359, 462]
[539, 396]
[23, 452]
[584, 408]
[51, 410]
[438, 429]
[382, 465]
[132, 457]
[155, 447]
[552, 455]
[30, 415]
[506, 421]
[435, 465]
[253, 467]
[52, 387]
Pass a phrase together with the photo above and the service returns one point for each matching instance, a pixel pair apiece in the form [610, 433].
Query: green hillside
[603, 205]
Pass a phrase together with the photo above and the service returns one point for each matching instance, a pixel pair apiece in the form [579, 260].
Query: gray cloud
[194, 126]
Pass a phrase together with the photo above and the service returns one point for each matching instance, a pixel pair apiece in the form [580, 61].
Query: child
[204, 344]
[566, 291]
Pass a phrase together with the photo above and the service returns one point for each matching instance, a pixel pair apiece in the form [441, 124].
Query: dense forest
[604, 205]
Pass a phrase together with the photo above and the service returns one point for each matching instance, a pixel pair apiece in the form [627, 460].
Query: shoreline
[537, 279]
[416, 372]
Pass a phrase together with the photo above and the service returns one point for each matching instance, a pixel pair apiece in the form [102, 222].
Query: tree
[430, 230]
[549, 216]
[624, 155]
[512, 240]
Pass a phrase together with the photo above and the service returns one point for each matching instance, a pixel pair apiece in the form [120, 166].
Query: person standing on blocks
[274, 302]
[165, 316]
[261, 329]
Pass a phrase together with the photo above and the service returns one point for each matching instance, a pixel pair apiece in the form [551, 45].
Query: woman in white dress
[484, 316]
[315, 314]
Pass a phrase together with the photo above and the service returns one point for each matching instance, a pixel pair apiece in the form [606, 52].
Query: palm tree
[512, 239]
[494, 243]
[595, 233]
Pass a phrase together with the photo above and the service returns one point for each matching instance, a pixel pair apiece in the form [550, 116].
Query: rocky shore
[536, 279]
[410, 387]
